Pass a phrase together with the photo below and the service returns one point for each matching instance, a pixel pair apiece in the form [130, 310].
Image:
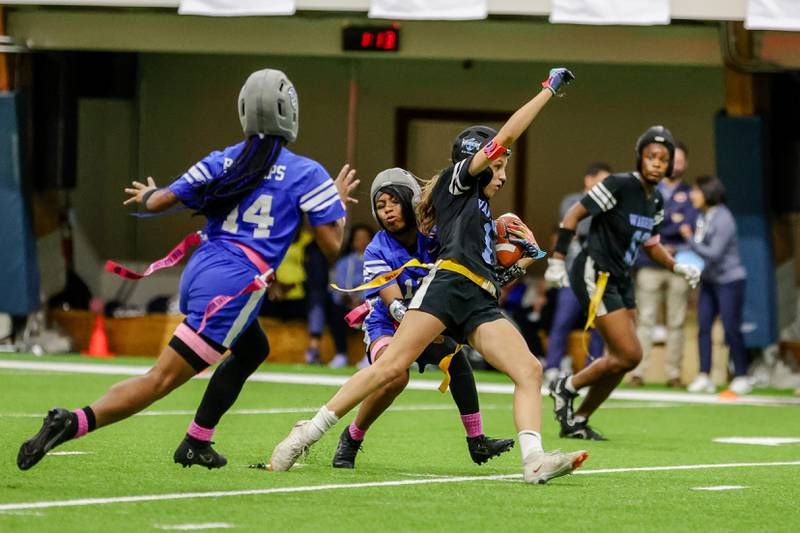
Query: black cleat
[562, 401]
[579, 430]
[346, 450]
[189, 454]
[483, 448]
[59, 426]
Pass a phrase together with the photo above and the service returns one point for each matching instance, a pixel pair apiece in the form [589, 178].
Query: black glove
[507, 275]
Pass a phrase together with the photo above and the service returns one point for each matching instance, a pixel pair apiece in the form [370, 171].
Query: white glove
[556, 273]
[688, 272]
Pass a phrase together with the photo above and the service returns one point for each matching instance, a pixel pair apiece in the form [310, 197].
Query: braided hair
[242, 177]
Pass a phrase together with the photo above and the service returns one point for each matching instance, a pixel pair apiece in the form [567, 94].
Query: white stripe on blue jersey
[203, 170]
[315, 191]
[321, 199]
[196, 174]
[327, 204]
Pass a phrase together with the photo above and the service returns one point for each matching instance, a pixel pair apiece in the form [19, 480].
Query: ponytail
[426, 215]
[242, 177]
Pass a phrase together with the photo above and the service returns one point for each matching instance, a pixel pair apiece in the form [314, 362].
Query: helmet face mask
[268, 105]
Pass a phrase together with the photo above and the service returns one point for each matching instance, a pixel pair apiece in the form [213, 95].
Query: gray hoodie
[715, 241]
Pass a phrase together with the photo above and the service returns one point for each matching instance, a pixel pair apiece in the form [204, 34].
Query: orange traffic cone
[98, 341]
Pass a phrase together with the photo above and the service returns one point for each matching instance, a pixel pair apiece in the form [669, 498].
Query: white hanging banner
[236, 8]
[429, 9]
[773, 15]
[606, 12]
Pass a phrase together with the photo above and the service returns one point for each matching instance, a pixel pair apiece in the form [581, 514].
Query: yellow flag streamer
[444, 365]
[594, 305]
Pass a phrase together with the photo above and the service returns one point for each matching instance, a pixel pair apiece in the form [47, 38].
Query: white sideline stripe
[285, 410]
[414, 384]
[722, 487]
[68, 453]
[403, 408]
[316, 488]
[188, 527]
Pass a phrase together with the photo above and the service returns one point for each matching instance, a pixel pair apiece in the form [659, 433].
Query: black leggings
[247, 353]
[462, 385]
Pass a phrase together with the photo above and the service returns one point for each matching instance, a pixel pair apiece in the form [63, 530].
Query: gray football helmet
[268, 105]
[393, 178]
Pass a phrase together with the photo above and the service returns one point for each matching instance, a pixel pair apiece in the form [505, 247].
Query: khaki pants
[652, 286]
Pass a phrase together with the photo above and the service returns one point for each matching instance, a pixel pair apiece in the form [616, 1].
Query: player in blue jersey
[460, 296]
[394, 195]
[254, 196]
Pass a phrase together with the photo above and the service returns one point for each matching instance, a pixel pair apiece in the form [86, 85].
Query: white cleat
[703, 384]
[289, 450]
[741, 386]
[542, 467]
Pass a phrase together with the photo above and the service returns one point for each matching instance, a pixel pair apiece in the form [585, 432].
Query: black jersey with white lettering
[464, 223]
[624, 218]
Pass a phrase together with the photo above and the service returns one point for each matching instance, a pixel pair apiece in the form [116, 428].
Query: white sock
[579, 419]
[324, 420]
[529, 442]
[569, 386]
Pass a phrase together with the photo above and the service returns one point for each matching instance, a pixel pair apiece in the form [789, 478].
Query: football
[507, 252]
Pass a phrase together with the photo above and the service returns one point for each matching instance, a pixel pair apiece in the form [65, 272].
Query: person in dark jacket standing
[722, 283]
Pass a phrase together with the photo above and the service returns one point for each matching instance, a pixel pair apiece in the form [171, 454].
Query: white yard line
[396, 408]
[414, 384]
[68, 453]
[83, 502]
[193, 527]
[721, 487]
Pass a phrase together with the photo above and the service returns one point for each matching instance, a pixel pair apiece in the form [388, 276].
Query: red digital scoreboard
[371, 39]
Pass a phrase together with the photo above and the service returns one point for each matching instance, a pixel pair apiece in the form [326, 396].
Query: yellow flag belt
[442, 264]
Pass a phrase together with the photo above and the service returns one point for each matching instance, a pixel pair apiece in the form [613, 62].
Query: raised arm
[520, 120]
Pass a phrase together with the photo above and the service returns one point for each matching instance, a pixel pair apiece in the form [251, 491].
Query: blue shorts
[218, 268]
[377, 324]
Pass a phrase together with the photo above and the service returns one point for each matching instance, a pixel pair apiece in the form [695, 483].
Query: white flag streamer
[773, 15]
[236, 8]
[600, 12]
[429, 9]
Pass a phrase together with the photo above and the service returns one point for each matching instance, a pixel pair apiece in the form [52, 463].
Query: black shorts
[619, 294]
[455, 300]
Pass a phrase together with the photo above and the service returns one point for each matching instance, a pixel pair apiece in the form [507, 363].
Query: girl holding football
[394, 195]
[460, 295]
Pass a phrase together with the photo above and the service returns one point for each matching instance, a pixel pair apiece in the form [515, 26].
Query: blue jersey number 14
[257, 213]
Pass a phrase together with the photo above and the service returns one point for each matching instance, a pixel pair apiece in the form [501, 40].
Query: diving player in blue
[254, 195]
[394, 195]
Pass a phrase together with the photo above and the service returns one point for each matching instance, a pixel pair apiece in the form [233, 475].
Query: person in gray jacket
[723, 282]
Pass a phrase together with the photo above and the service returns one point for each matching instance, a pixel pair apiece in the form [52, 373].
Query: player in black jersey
[627, 211]
[460, 294]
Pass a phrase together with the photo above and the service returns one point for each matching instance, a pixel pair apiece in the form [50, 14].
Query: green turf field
[418, 449]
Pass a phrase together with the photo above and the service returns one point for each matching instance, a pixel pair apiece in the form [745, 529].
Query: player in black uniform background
[460, 294]
[627, 211]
